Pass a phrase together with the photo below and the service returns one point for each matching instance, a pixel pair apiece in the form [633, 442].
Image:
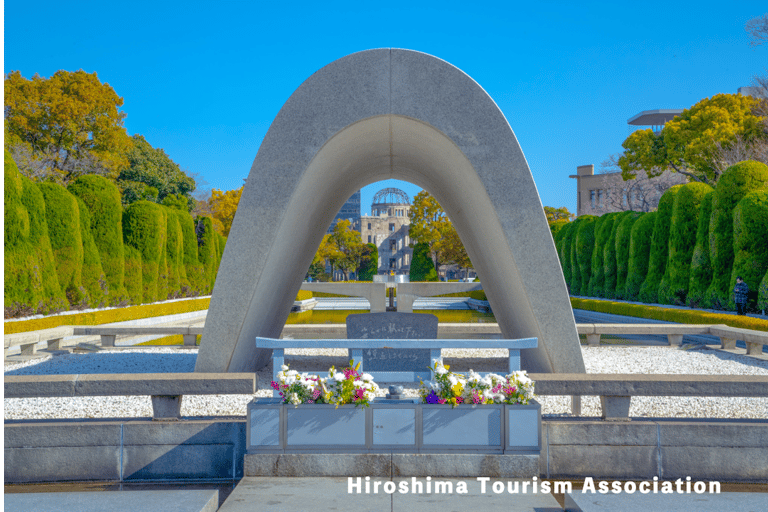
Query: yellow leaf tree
[223, 206]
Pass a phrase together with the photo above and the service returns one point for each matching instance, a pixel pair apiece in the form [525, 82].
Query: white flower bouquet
[348, 386]
[451, 388]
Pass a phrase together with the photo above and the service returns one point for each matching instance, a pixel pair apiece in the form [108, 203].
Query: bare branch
[757, 28]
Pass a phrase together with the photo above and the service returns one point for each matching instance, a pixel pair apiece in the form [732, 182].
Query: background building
[350, 211]
[609, 192]
[387, 227]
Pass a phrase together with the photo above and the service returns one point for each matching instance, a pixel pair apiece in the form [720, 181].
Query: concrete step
[635, 502]
[115, 501]
[281, 494]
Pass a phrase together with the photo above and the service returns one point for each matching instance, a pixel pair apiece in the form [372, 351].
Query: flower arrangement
[348, 386]
[451, 388]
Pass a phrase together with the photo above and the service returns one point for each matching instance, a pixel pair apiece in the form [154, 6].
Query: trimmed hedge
[585, 244]
[134, 281]
[304, 295]
[144, 229]
[701, 267]
[206, 250]
[657, 258]
[422, 266]
[94, 280]
[174, 254]
[564, 251]
[621, 242]
[31, 284]
[639, 248]
[762, 294]
[683, 316]
[102, 198]
[63, 217]
[193, 269]
[109, 315]
[682, 240]
[750, 244]
[735, 183]
[610, 256]
[603, 227]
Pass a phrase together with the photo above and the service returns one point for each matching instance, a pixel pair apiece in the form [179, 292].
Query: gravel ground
[647, 360]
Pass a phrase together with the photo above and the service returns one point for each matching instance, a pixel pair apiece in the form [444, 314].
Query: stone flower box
[391, 426]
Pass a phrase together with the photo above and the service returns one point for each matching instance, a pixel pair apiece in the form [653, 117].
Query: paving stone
[115, 501]
[736, 501]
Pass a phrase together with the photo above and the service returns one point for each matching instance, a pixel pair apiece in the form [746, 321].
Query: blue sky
[203, 80]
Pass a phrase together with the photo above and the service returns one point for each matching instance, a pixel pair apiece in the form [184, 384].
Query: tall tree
[223, 206]
[349, 245]
[429, 225]
[692, 142]
[454, 250]
[369, 263]
[152, 175]
[65, 126]
[554, 214]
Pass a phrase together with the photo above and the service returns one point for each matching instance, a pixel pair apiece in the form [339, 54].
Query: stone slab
[61, 435]
[317, 465]
[602, 461]
[635, 433]
[59, 464]
[715, 463]
[731, 433]
[115, 501]
[464, 465]
[741, 501]
[178, 462]
[393, 326]
[187, 432]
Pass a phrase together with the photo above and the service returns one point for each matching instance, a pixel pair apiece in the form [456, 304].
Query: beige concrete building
[609, 192]
[387, 228]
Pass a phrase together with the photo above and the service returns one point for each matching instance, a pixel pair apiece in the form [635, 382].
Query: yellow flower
[457, 389]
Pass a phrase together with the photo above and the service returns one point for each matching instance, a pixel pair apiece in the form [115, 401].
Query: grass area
[176, 339]
[340, 316]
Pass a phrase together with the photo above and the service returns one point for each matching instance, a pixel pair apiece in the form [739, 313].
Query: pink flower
[275, 385]
[442, 401]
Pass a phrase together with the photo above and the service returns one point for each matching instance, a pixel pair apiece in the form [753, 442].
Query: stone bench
[356, 347]
[674, 332]
[166, 389]
[28, 341]
[729, 335]
[616, 390]
[109, 334]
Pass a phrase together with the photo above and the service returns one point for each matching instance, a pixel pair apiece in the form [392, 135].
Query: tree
[757, 28]
[369, 263]
[349, 245]
[691, 143]
[152, 175]
[638, 192]
[429, 225]
[422, 268]
[65, 126]
[555, 214]
[453, 249]
[223, 206]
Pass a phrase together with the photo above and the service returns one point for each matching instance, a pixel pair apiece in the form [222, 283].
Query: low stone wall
[140, 450]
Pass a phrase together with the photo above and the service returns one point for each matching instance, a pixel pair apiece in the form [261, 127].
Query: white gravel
[646, 360]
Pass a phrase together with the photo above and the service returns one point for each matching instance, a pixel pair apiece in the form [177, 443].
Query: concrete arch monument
[370, 116]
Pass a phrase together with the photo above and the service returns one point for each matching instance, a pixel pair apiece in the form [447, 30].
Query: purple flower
[432, 398]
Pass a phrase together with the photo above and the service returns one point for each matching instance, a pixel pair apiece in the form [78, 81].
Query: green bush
[144, 229]
[673, 288]
[657, 258]
[369, 263]
[31, 284]
[94, 280]
[174, 253]
[556, 226]
[639, 249]
[585, 244]
[762, 294]
[621, 245]
[750, 244]
[603, 226]
[193, 269]
[736, 182]
[422, 266]
[206, 251]
[575, 283]
[134, 269]
[563, 239]
[701, 268]
[610, 268]
[102, 198]
[63, 217]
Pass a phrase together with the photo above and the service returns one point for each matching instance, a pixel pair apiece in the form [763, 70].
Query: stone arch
[367, 117]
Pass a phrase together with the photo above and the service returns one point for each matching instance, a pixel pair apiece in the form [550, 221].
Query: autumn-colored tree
[453, 249]
[152, 175]
[692, 142]
[65, 126]
[429, 225]
[349, 245]
[327, 252]
[223, 207]
[554, 214]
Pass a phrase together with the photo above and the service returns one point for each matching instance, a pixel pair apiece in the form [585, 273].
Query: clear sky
[203, 80]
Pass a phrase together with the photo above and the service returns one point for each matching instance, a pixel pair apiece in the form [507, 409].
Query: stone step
[115, 501]
[635, 502]
[281, 494]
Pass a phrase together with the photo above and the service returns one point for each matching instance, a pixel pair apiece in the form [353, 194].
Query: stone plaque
[393, 326]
